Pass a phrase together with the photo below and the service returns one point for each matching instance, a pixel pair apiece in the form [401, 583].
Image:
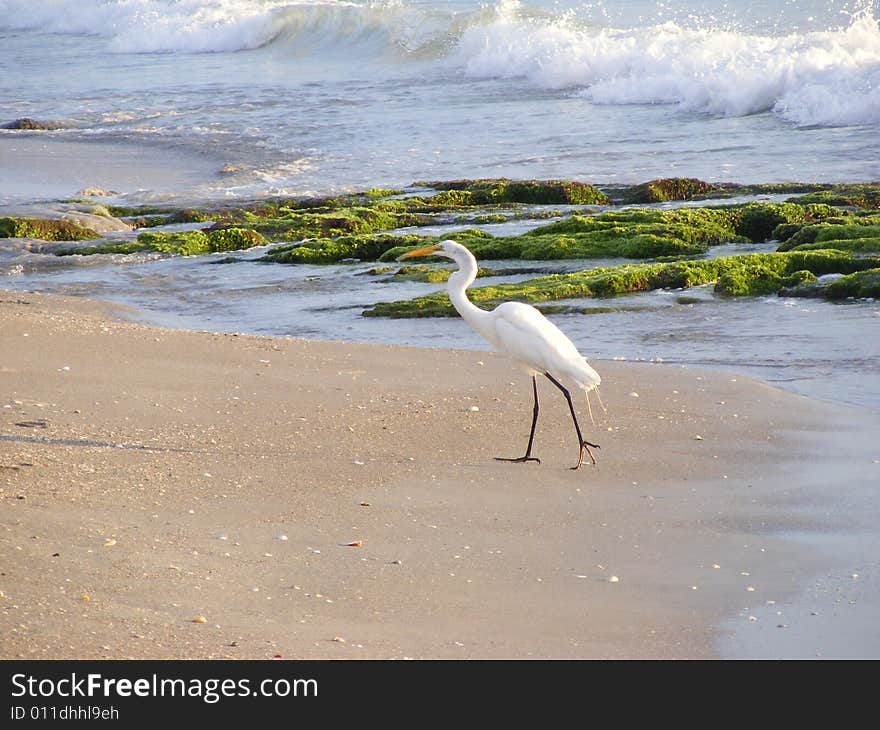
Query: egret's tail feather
[581, 374]
[604, 409]
[590, 408]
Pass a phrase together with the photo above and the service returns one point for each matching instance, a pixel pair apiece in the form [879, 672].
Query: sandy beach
[175, 494]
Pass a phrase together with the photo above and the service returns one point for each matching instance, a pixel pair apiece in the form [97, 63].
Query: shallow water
[316, 96]
[812, 347]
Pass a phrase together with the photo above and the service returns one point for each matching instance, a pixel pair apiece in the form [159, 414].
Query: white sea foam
[823, 77]
[829, 77]
[148, 26]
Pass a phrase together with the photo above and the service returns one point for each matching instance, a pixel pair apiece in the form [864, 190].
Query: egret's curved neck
[458, 282]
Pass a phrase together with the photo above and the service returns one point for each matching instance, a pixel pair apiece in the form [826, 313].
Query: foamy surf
[826, 77]
[301, 96]
[829, 77]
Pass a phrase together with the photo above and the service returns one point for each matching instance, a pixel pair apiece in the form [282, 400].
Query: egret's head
[444, 248]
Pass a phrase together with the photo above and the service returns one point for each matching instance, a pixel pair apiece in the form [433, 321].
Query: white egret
[524, 334]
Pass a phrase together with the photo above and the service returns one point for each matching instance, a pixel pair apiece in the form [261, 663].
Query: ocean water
[299, 98]
[326, 95]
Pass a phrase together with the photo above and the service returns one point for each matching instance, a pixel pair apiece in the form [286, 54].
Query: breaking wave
[827, 77]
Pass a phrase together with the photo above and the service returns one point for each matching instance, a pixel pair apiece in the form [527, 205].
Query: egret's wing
[528, 336]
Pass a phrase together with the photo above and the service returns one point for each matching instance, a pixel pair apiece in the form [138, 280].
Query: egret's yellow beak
[425, 251]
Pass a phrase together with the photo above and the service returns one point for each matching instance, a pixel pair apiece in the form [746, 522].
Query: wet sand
[316, 499]
[39, 166]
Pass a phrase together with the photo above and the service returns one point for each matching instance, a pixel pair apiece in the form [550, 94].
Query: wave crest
[825, 77]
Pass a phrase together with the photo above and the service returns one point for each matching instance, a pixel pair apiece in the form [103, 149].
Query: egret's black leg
[585, 445]
[528, 456]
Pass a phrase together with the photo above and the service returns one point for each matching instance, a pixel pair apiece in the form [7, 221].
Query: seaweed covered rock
[502, 190]
[368, 247]
[45, 229]
[341, 222]
[193, 243]
[866, 196]
[859, 285]
[754, 280]
[784, 231]
[180, 243]
[636, 234]
[757, 221]
[855, 234]
[745, 275]
[670, 188]
[233, 239]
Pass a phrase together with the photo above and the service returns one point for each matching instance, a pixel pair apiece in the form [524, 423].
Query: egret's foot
[519, 459]
[585, 447]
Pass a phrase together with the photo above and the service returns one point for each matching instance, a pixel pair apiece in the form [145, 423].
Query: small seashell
[698, 438]
[109, 543]
[750, 589]
[339, 639]
[283, 538]
[365, 504]
[85, 597]
[633, 395]
[474, 409]
[200, 620]
[355, 543]
[614, 579]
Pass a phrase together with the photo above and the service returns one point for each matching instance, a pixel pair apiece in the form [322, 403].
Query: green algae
[381, 193]
[503, 190]
[297, 225]
[670, 188]
[866, 196]
[45, 229]
[848, 234]
[332, 250]
[858, 245]
[430, 274]
[233, 239]
[180, 243]
[439, 275]
[635, 234]
[356, 226]
[746, 275]
[629, 233]
[759, 221]
[109, 247]
[858, 285]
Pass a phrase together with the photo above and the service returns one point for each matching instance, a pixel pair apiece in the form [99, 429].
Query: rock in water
[27, 123]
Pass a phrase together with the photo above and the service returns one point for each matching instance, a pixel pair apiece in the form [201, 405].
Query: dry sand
[150, 477]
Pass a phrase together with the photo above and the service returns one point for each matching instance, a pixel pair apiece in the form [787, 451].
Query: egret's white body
[519, 331]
